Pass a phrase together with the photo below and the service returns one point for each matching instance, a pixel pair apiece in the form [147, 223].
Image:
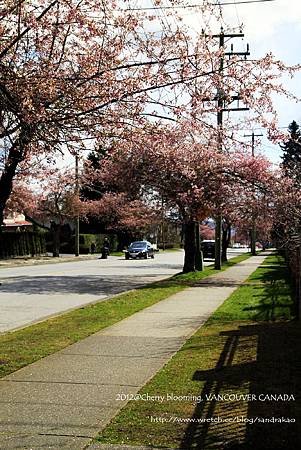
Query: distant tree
[288, 220]
[206, 231]
[50, 204]
[122, 215]
[103, 217]
[92, 189]
[291, 159]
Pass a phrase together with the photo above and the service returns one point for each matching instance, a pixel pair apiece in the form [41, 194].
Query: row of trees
[288, 204]
[124, 188]
[89, 75]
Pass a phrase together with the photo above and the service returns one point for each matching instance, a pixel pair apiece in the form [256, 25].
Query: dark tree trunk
[56, 239]
[199, 263]
[6, 180]
[226, 238]
[15, 156]
[189, 247]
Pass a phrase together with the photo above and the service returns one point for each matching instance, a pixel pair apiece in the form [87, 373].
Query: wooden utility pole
[76, 246]
[222, 105]
[253, 227]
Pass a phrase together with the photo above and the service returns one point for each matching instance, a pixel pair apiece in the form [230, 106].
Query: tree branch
[26, 30]
[35, 222]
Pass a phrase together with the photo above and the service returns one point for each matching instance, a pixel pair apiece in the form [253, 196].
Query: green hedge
[13, 244]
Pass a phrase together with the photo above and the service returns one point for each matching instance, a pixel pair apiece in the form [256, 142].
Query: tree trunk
[218, 242]
[189, 247]
[226, 238]
[6, 180]
[56, 232]
[15, 156]
[199, 263]
[253, 236]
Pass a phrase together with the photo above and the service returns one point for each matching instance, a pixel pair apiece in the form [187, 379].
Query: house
[15, 222]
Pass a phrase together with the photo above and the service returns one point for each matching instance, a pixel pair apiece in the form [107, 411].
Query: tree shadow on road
[86, 284]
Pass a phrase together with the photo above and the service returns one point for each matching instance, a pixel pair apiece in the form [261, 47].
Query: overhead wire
[239, 23]
[197, 5]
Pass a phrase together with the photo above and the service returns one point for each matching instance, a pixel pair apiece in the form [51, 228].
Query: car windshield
[138, 245]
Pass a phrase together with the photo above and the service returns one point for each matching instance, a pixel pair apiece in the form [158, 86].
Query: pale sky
[268, 27]
[275, 27]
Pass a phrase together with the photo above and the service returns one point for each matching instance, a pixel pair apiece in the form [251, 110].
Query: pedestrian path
[64, 400]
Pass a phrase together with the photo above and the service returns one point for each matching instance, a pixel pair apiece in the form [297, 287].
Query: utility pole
[253, 227]
[162, 224]
[253, 135]
[222, 105]
[76, 246]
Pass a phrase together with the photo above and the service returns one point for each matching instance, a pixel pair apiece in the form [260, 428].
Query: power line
[239, 23]
[197, 5]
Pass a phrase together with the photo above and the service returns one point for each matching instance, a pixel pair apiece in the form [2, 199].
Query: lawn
[22, 347]
[249, 347]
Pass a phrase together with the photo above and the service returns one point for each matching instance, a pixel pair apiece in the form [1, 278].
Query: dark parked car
[140, 249]
[208, 249]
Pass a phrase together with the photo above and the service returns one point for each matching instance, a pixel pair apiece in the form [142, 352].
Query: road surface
[31, 293]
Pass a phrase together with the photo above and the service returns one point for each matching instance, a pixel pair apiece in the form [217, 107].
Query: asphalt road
[31, 293]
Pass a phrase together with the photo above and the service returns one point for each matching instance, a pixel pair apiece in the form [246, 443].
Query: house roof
[16, 223]
[16, 220]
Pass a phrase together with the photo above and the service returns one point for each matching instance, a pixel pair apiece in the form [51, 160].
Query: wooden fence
[21, 244]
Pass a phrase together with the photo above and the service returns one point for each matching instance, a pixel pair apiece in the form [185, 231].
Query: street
[32, 293]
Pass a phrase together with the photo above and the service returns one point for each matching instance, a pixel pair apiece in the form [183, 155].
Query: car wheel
[145, 256]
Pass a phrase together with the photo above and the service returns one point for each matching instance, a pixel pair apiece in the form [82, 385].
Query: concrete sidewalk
[64, 400]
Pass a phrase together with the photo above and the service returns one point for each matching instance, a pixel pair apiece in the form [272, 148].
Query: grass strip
[249, 346]
[29, 261]
[27, 345]
[117, 254]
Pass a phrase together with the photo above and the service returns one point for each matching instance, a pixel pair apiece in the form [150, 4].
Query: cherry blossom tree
[287, 208]
[193, 177]
[248, 204]
[206, 231]
[76, 72]
[72, 71]
[120, 213]
[54, 202]
[49, 203]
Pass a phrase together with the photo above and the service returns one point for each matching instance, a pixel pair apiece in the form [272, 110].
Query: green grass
[22, 347]
[266, 295]
[249, 346]
[171, 249]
